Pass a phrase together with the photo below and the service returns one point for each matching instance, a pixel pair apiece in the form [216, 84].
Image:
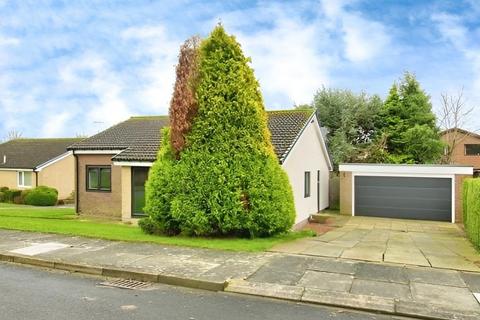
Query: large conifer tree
[227, 178]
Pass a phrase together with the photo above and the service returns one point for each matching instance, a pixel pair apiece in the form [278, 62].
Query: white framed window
[24, 179]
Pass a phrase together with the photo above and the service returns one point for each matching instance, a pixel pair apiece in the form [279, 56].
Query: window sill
[98, 190]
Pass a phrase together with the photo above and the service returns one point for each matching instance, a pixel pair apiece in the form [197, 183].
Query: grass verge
[64, 221]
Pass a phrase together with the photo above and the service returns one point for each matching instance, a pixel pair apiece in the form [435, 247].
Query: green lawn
[64, 221]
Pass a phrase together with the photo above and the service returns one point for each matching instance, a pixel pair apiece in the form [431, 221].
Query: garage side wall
[346, 193]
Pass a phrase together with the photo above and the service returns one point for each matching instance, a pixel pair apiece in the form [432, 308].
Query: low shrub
[41, 196]
[3, 189]
[11, 194]
[471, 210]
[2, 196]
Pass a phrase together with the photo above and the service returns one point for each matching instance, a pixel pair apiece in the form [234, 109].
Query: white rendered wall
[308, 155]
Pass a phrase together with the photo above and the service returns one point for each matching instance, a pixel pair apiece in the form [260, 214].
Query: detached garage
[423, 192]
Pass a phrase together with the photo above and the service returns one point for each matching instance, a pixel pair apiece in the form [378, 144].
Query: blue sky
[76, 67]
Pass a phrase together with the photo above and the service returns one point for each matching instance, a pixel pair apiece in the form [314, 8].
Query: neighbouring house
[403, 191]
[112, 166]
[27, 163]
[466, 147]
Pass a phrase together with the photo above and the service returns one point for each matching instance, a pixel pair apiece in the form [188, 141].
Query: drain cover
[125, 284]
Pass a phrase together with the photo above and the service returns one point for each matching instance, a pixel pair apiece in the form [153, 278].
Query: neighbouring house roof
[32, 153]
[139, 137]
[463, 131]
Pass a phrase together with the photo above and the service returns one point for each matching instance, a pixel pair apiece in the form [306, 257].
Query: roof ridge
[311, 110]
[148, 117]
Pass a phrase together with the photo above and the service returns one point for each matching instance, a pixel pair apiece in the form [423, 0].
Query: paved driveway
[409, 242]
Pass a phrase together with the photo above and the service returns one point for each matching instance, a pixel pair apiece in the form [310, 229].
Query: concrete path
[410, 242]
[389, 289]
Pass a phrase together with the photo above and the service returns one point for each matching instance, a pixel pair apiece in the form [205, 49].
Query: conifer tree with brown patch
[183, 106]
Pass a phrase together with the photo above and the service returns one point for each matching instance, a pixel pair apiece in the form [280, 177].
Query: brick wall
[99, 203]
[458, 154]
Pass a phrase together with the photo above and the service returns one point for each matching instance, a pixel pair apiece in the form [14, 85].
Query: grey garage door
[404, 197]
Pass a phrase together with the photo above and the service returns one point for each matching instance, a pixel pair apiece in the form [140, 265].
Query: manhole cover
[125, 284]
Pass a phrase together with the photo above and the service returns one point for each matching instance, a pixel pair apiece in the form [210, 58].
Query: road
[32, 293]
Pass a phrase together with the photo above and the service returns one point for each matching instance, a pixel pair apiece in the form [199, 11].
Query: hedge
[41, 196]
[471, 210]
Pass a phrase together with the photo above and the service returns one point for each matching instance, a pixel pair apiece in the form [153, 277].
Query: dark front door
[404, 197]
[139, 177]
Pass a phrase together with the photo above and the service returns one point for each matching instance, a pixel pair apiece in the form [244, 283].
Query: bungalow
[112, 166]
[27, 163]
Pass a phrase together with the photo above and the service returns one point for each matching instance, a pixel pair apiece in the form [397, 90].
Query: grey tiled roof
[30, 153]
[139, 137]
[285, 127]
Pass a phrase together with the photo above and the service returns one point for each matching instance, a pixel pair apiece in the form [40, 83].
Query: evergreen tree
[227, 179]
[409, 124]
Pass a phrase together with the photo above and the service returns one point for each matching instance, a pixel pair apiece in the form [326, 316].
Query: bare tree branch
[454, 114]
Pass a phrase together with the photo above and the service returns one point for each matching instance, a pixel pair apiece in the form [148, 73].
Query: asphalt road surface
[32, 293]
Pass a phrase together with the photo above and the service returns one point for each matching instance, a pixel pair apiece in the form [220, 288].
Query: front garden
[65, 221]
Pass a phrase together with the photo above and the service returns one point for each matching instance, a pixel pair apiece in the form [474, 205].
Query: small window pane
[307, 184]
[27, 179]
[105, 178]
[472, 149]
[93, 178]
[20, 178]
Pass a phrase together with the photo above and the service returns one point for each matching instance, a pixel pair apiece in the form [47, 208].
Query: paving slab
[381, 289]
[333, 265]
[472, 280]
[460, 298]
[265, 289]
[326, 281]
[432, 311]
[451, 262]
[324, 250]
[385, 273]
[367, 251]
[435, 276]
[401, 256]
[343, 299]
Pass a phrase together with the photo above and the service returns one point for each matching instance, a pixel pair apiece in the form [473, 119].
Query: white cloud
[454, 31]
[154, 45]
[55, 124]
[90, 74]
[286, 61]
[286, 52]
[8, 41]
[363, 39]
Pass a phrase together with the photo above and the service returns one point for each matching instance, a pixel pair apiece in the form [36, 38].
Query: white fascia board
[311, 119]
[97, 151]
[15, 169]
[132, 164]
[406, 169]
[52, 161]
